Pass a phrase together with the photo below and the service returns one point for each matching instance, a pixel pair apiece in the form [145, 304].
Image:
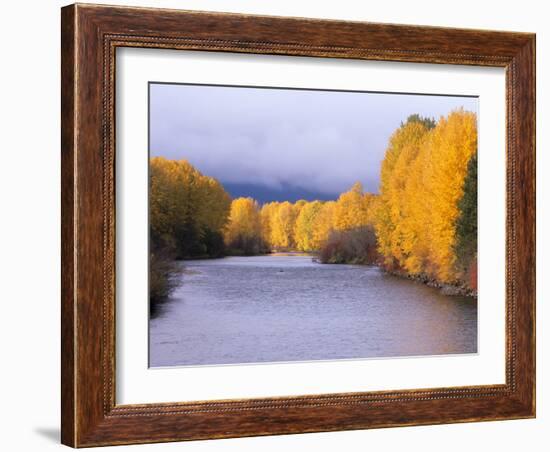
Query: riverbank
[446, 289]
[359, 246]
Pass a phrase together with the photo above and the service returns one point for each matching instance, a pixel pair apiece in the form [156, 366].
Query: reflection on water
[289, 308]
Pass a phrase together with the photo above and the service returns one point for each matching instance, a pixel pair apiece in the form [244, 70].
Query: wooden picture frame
[90, 36]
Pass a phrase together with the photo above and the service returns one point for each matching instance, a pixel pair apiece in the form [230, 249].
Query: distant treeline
[423, 222]
[299, 226]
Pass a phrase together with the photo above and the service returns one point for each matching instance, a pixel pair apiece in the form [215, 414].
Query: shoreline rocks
[445, 288]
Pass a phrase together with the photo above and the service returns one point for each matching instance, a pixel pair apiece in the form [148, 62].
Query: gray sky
[281, 143]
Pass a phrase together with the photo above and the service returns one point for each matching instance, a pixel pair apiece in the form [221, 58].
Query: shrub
[164, 275]
[352, 246]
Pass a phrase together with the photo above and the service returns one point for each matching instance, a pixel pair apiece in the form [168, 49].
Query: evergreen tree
[428, 123]
[466, 224]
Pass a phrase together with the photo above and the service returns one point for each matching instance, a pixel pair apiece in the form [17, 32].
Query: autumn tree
[452, 144]
[188, 211]
[172, 203]
[422, 181]
[299, 226]
[282, 225]
[267, 219]
[352, 209]
[404, 146]
[323, 224]
[414, 231]
[305, 224]
[243, 234]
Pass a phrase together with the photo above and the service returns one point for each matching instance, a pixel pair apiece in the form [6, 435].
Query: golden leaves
[421, 183]
[244, 220]
[183, 199]
[306, 226]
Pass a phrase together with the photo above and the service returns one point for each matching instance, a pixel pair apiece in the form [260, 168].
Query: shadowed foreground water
[288, 308]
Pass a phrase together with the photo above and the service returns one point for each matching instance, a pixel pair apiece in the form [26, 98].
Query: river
[278, 308]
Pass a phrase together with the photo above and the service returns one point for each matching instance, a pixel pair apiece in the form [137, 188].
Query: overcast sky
[276, 144]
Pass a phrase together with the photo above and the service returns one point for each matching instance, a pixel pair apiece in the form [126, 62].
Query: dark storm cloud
[318, 141]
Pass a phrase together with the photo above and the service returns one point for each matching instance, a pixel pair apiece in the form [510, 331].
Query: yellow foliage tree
[282, 226]
[185, 207]
[352, 209]
[305, 222]
[267, 217]
[403, 149]
[323, 224]
[421, 183]
[452, 144]
[244, 230]
[214, 204]
[244, 219]
[304, 226]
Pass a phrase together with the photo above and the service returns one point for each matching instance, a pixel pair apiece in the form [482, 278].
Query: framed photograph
[280, 225]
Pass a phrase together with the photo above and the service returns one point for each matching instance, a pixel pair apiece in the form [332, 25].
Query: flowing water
[277, 308]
